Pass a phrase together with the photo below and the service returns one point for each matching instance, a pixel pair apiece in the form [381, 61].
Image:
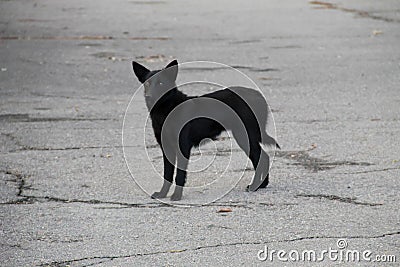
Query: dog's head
[157, 82]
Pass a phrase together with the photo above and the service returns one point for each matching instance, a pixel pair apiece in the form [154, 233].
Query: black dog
[181, 122]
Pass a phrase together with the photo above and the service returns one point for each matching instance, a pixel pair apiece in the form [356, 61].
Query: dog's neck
[168, 102]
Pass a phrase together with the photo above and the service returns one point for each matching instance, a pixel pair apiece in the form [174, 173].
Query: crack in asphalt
[28, 199]
[302, 158]
[28, 148]
[12, 245]
[110, 258]
[245, 41]
[350, 200]
[313, 163]
[19, 179]
[64, 96]
[82, 37]
[361, 13]
[28, 118]
[253, 69]
[377, 170]
[23, 147]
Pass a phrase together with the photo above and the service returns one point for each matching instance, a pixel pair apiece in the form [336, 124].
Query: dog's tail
[270, 141]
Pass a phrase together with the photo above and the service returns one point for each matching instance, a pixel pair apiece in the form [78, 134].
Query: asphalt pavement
[329, 70]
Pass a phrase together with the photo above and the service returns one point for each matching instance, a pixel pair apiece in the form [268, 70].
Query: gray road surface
[330, 71]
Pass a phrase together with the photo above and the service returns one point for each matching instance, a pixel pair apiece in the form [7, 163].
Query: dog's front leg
[168, 175]
[182, 163]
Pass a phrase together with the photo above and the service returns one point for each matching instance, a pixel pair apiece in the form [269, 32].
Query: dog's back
[251, 108]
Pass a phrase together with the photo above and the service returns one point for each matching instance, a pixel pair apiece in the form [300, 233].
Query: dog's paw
[158, 195]
[251, 188]
[176, 196]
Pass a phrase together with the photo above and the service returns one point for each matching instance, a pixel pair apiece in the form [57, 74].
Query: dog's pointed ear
[140, 71]
[172, 70]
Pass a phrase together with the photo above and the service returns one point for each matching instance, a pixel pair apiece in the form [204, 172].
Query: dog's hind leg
[260, 160]
[263, 166]
[168, 173]
[264, 160]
